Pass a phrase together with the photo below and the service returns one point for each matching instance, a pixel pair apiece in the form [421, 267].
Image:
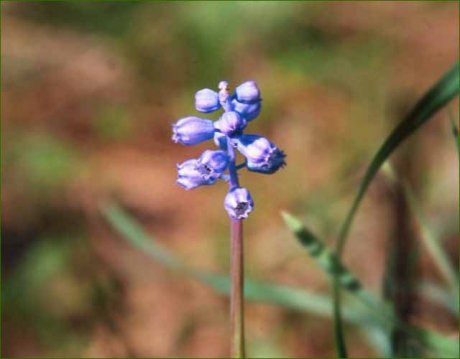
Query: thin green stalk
[455, 132]
[400, 273]
[433, 244]
[338, 325]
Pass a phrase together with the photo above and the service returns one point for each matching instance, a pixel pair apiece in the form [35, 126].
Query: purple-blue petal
[205, 170]
[207, 100]
[192, 130]
[247, 92]
[230, 123]
[247, 110]
[238, 203]
[262, 155]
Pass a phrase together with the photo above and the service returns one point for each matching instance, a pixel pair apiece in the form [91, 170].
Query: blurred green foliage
[108, 18]
[113, 123]
[316, 72]
[59, 291]
[44, 293]
[45, 160]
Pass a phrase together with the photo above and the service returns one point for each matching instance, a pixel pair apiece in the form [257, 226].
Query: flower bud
[205, 170]
[247, 92]
[192, 130]
[238, 203]
[207, 100]
[262, 155]
[223, 85]
[215, 162]
[188, 175]
[247, 110]
[230, 123]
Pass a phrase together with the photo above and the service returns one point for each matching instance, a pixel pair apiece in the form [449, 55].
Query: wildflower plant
[260, 155]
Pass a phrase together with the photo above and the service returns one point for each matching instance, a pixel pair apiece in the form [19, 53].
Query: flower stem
[236, 246]
[236, 270]
[237, 290]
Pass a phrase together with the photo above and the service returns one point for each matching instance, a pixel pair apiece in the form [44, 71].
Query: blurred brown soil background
[89, 92]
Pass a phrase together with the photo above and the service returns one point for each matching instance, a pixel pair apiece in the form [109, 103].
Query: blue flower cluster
[240, 107]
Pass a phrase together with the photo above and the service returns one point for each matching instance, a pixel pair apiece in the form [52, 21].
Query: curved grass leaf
[330, 263]
[282, 295]
[438, 96]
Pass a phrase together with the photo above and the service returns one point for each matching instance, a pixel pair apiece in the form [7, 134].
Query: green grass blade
[455, 133]
[439, 296]
[327, 259]
[285, 296]
[330, 263]
[399, 277]
[440, 345]
[131, 230]
[339, 335]
[281, 295]
[378, 339]
[438, 96]
[433, 244]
